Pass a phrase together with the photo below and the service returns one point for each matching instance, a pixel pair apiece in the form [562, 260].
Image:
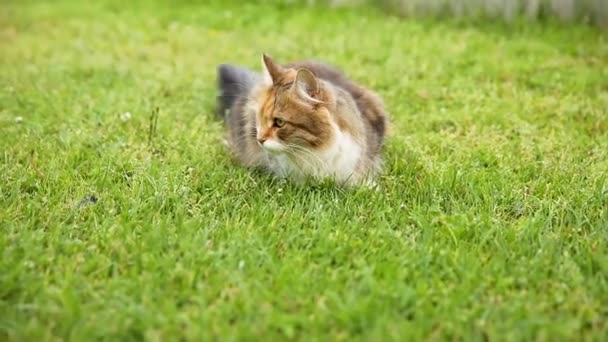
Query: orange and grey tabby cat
[303, 120]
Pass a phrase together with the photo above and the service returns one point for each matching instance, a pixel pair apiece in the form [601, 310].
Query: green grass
[493, 221]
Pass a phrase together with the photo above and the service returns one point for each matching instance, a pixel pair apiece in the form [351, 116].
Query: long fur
[329, 126]
[233, 82]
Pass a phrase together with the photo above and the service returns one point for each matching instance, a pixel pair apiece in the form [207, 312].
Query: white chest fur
[339, 161]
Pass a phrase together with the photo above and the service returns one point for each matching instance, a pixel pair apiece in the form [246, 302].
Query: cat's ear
[272, 70]
[306, 83]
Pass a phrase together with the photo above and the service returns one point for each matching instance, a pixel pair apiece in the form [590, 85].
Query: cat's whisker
[295, 149]
[303, 163]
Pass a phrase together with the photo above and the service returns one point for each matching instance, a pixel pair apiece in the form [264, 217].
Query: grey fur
[233, 83]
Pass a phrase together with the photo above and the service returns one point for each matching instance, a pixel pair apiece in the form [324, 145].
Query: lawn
[122, 215]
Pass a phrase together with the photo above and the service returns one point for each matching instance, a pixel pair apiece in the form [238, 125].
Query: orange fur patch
[304, 122]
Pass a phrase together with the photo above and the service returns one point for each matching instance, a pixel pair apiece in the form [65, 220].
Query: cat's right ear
[272, 70]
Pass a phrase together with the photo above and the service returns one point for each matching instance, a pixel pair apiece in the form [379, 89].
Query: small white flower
[19, 119]
[126, 116]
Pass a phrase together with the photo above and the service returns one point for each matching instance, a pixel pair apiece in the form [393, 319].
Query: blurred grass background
[588, 11]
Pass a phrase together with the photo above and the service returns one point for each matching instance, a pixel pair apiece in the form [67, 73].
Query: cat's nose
[261, 141]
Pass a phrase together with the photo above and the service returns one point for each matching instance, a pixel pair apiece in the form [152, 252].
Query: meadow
[123, 217]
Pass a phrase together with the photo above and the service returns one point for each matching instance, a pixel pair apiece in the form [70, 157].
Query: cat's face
[292, 115]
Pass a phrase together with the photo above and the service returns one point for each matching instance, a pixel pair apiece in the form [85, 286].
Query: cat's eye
[279, 122]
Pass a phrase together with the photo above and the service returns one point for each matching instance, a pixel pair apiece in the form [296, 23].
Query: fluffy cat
[302, 120]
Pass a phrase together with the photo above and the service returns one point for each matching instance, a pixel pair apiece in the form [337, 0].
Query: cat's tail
[233, 82]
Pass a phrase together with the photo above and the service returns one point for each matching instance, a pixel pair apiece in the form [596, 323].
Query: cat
[302, 120]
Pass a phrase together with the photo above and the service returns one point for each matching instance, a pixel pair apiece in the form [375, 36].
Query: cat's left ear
[306, 83]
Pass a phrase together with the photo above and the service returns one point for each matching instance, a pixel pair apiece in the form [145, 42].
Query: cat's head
[293, 110]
